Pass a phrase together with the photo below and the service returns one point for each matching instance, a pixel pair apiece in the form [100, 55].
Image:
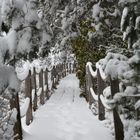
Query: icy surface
[66, 117]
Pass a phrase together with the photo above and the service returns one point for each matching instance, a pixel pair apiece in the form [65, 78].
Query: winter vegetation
[97, 36]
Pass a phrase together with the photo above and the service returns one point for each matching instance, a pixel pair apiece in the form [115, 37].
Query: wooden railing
[96, 82]
[37, 94]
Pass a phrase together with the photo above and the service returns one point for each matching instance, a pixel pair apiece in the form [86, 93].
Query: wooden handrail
[101, 83]
[99, 78]
[31, 89]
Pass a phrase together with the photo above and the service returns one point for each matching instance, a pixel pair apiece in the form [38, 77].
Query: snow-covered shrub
[7, 120]
[9, 86]
[7, 76]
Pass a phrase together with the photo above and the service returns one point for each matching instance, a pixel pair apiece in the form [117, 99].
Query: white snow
[114, 65]
[7, 76]
[12, 41]
[137, 24]
[14, 114]
[39, 92]
[93, 73]
[104, 102]
[37, 64]
[8, 43]
[102, 73]
[24, 107]
[124, 15]
[107, 92]
[96, 11]
[115, 13]
[24, 44]
[45, 87]
[19, 4]
[130, 90]
[33, 94]
[66, 116]
[93, 94]
[22, 70]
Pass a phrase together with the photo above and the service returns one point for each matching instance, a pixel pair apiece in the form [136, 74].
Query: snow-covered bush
[9, 86]
[7, 120]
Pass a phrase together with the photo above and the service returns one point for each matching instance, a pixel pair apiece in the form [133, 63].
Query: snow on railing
[104, 102]
[39, 91]
[93, 94]
[33, 94]
[93, 73]
[102, 73]
[24, 107]
[45, 87]
[39, 85]
[98, 80]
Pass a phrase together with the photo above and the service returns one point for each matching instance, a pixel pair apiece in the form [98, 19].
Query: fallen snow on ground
[66, 116]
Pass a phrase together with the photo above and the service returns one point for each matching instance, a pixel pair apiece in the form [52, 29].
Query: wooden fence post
[46, 83]
[118, 125]
[59, 71]
[56, 75]
[28, 89]
[74, 67]
[35, 88]
[88, 86]
[41, 86]
[14, 103]
[65, 70]
[100, 88]
[70, 71]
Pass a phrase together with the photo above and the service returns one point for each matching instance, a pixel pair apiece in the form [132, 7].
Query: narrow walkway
[66, 117]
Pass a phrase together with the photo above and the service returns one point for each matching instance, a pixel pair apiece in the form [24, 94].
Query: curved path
[66, 117]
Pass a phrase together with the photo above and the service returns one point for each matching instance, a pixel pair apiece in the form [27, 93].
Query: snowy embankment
[65, 117]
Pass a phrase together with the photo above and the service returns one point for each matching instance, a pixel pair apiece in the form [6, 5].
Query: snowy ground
[66, 117]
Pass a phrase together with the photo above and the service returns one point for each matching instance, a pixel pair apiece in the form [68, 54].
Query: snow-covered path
[66, 117]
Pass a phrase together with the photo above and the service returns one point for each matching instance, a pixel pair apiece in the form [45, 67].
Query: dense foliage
[85, 51]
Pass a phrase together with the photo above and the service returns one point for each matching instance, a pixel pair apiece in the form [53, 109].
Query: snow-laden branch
[103, 75]
[93, 94]
[93, 73]
[104, 102]
[24, 107]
